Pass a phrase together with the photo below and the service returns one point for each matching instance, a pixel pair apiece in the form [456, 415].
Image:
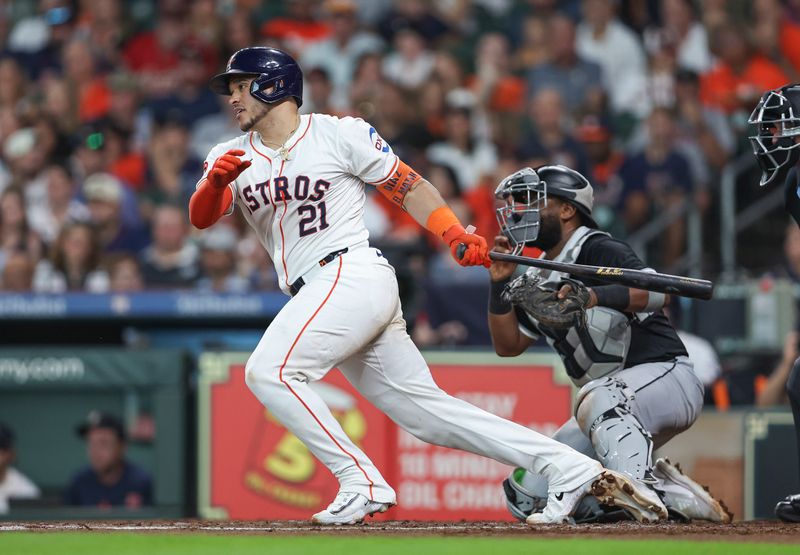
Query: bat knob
[461, 250]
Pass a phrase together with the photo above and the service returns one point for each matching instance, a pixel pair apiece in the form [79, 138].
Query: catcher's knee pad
[604, 414]
[526, 493]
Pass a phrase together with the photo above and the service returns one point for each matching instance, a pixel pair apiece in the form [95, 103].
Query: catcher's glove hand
[543, 304]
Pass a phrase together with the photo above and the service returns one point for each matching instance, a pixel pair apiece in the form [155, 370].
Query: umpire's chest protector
[597, 347]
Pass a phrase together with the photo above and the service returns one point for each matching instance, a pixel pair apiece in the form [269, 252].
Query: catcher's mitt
[543, 304]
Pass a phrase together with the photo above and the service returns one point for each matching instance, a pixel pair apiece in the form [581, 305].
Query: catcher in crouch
[637, 386]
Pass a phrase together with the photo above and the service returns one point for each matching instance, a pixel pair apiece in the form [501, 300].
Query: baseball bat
[638, 279]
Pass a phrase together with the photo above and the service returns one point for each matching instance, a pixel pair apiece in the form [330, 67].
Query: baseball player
[300, 183]
[637, 387]
[776, 121]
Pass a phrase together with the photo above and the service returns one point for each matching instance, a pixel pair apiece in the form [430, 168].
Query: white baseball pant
[349, 316]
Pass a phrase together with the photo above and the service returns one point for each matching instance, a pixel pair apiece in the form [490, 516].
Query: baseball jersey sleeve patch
[376, 140]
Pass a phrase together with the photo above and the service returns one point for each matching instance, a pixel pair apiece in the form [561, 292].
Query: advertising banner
[251, 467]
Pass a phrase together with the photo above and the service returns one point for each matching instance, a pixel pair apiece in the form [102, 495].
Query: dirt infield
[756, 531]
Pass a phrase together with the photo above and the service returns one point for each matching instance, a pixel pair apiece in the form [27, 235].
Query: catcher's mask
[776, 122]
[525, 193]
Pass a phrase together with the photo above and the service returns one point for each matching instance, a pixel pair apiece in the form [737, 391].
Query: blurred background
[111, 301]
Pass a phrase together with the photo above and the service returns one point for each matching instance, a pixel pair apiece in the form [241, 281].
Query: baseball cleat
[687, 497]
[788, 510]
[618, 490]
[349, 508]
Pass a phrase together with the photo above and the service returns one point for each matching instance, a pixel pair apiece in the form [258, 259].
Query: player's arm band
[498, 305]
[442, 221]
[655, 301]
[617, 297]
[399, 183]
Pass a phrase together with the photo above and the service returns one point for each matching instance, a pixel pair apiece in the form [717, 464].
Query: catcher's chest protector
[599, 346]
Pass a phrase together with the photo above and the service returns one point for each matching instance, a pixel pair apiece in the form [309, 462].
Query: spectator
[171, 261]
[110, 480]
[550, 139]
[17, 274]
[471, 159]
[605, 160]
[681, 33]
[318, 93]
[74, 263]
[737, 80]
[603, 39]
[62, 206]
[241, 31]
[654, 180]
[498, 90]
[172, 170]
[126, 113]
[365, 87]
[124, 274]
[416, 14]
[774, 390]
[13, 483]
[26, 160]
[776, 36]
[411, 63]
[15, 233]
[87, 86]
[154, 56]
[105, 196]
[533, 48]
[12, 83]
[218, 262]
[339, 53]
[297, 29]
[37, 41]
[576, 79]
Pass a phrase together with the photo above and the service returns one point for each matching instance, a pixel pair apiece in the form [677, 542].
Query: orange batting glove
[226, 168]
[477, 251]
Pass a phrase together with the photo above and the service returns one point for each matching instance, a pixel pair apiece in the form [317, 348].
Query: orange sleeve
[208, 205]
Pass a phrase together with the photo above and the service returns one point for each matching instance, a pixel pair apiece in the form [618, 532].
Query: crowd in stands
[105, 118]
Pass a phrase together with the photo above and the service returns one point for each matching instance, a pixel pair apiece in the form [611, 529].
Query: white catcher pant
[349, 316]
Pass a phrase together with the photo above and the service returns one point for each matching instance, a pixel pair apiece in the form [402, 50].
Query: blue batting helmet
[270, 67]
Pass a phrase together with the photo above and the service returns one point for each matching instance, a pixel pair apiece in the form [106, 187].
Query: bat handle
[461, 249]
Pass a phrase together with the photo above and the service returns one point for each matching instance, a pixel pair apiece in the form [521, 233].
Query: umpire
[637, 385]
[776, 122]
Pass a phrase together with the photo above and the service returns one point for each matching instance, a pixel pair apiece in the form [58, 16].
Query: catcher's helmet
[528, 190]
[777, 124]
[522, 499]
[270, 67]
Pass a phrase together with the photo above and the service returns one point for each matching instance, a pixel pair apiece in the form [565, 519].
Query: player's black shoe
[788, 510]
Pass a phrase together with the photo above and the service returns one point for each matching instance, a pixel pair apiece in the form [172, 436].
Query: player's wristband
[617, 297]
[498, 305]
[443, 220]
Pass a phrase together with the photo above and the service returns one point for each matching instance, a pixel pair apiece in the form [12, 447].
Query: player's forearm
[774, 392]
[208, 204]
[626, 299]
[506, 337]
[421, 200]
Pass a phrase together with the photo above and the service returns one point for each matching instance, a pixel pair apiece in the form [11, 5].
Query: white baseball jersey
[308, 201]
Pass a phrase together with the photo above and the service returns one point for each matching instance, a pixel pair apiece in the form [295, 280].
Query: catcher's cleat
[618, 490]
[611, 489]
[686, 497]
[349, 508]
[788, 510]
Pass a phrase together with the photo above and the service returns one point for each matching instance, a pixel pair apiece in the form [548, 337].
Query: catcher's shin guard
[619, 439]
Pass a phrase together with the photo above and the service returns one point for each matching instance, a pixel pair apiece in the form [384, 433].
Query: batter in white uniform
[300, 183]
